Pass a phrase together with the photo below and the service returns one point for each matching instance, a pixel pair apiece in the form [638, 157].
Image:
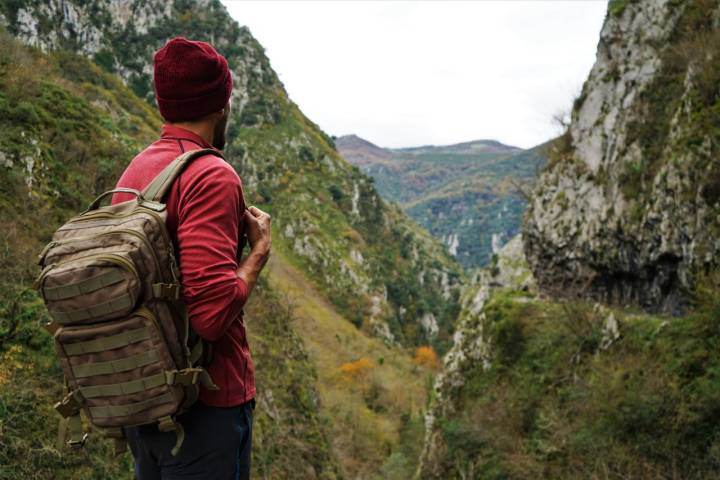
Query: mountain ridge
[470, 195]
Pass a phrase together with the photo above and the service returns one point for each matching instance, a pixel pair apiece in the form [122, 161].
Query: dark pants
[217, 446]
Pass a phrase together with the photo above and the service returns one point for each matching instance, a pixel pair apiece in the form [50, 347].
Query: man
[207, 219]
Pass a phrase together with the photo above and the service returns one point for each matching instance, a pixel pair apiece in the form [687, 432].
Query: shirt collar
[172, 131]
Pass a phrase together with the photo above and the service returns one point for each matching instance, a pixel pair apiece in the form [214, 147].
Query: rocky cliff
[472, 351]
[627, 210]
[539, 385]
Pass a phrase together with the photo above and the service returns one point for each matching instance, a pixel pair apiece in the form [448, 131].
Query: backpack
[111, 284]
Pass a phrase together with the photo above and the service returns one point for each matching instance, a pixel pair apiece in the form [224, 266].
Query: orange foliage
[358, 368]
[426, 357]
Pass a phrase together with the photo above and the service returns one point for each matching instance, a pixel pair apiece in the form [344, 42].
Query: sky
[409, 73]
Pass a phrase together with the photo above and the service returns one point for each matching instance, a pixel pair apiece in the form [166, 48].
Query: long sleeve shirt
[205, 210]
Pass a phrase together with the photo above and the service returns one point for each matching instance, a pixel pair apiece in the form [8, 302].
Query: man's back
[205, 209]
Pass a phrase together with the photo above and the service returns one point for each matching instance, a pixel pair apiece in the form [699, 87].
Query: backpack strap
[160, 185]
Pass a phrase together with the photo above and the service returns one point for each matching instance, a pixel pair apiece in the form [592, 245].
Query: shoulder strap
[157, 189]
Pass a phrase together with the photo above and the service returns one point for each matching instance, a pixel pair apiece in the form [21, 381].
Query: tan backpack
[111, 284]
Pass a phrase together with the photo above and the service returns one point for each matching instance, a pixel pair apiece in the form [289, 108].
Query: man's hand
[257, 224]
[257, 230]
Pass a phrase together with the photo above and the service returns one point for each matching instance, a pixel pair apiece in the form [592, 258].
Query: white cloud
[411, 73]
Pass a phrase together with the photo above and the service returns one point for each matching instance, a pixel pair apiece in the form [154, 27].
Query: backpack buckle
[68, 406]
[185, 377]
[166, 291]
[190, 376]
[78, 444]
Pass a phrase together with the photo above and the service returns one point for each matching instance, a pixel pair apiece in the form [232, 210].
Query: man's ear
[218, 115]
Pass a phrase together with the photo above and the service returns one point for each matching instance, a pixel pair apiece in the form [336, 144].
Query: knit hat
[191, 80]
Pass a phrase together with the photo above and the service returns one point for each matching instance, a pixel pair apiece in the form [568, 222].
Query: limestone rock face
[123, 35]
[627, 209]
[470, 346]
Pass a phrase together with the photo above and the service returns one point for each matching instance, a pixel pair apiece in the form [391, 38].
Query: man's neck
[204, 129]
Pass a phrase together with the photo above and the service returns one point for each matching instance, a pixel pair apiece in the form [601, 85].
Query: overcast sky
[413, 73]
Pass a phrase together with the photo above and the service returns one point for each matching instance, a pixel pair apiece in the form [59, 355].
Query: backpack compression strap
[160, 185]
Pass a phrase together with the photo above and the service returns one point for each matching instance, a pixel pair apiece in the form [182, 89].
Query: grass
[555, 405]
[369, 414]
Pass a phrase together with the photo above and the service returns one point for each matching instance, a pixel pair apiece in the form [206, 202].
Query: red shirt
[205, 208]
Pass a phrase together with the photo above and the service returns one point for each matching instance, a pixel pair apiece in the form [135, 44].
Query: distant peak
[463, 147]
[354, 139]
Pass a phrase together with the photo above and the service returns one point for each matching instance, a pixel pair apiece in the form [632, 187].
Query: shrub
[359, 369]
[426, 357]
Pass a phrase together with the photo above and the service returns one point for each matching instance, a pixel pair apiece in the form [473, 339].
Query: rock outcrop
[471, 347]
[627, 209]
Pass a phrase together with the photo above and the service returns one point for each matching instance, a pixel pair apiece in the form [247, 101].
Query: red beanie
[191, 80]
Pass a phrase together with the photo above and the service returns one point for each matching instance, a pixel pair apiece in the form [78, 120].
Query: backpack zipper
[112, 258]
[152, 213]
[126, 231]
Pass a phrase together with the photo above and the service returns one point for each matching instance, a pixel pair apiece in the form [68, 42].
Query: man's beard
[219, 133]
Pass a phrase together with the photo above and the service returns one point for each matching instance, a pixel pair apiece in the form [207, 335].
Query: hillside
[347, 267]
[378, 268]
[567, 362]
[545, 389]
[469, 195]
[65, 123]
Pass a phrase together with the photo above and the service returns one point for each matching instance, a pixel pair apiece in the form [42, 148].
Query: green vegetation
[67, 131]
[556, 404]
[289, 432]
[617, 7]
[69, 127]
[372, 396]
[469, 192]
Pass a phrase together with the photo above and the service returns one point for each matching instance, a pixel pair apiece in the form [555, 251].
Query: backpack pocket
[90, 289]
[121, 371]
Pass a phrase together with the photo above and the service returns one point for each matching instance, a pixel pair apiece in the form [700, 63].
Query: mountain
[353, 287]
[360, 152]
[470, 195]
[556, 371]
[627, 211]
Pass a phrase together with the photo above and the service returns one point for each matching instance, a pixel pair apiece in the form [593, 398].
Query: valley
[471, 195]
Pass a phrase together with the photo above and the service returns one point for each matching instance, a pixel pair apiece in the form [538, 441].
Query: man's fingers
[256, 212]
[250, 217]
